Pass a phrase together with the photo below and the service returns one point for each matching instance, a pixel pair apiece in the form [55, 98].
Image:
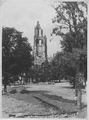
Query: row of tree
[17, 60]
[71, 25]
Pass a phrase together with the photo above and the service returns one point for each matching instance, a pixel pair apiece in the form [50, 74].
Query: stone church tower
[40, 46]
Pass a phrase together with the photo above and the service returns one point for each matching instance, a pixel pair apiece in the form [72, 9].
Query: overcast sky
[24, 14]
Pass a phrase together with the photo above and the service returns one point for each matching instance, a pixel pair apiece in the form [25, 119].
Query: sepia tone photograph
[44, 59]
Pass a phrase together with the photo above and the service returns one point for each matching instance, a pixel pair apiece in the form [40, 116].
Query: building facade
[40, 46]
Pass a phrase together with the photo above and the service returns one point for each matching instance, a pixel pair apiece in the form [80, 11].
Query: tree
[71, 16]
[16, 54]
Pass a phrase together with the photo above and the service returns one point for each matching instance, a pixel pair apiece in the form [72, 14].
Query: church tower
[40, 46]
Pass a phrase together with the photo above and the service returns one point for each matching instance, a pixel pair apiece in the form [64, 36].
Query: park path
[17, 104]
[63, 89]
[26, 103]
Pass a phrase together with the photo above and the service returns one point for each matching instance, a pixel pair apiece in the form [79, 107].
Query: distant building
[40, 46]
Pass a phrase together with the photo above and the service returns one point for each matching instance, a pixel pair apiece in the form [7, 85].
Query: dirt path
[17, 103]
[41, 100]
[60, 89]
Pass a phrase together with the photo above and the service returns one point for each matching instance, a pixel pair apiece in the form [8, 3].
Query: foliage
[72, 18]
[16, 54]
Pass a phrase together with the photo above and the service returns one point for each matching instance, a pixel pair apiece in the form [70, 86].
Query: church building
[40, 46]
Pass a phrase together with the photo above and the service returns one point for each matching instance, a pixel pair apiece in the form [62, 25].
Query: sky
[24, 14]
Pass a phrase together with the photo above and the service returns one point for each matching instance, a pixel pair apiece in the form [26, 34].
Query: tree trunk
[5, 83]
[14, 82]
[59, 80]
[5, 88]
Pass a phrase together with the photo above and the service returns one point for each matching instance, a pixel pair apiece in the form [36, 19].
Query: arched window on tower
[36, 32]
[39, 32]
[39, 42]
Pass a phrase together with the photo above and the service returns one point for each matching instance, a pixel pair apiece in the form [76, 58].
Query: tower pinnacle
[38, 25]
